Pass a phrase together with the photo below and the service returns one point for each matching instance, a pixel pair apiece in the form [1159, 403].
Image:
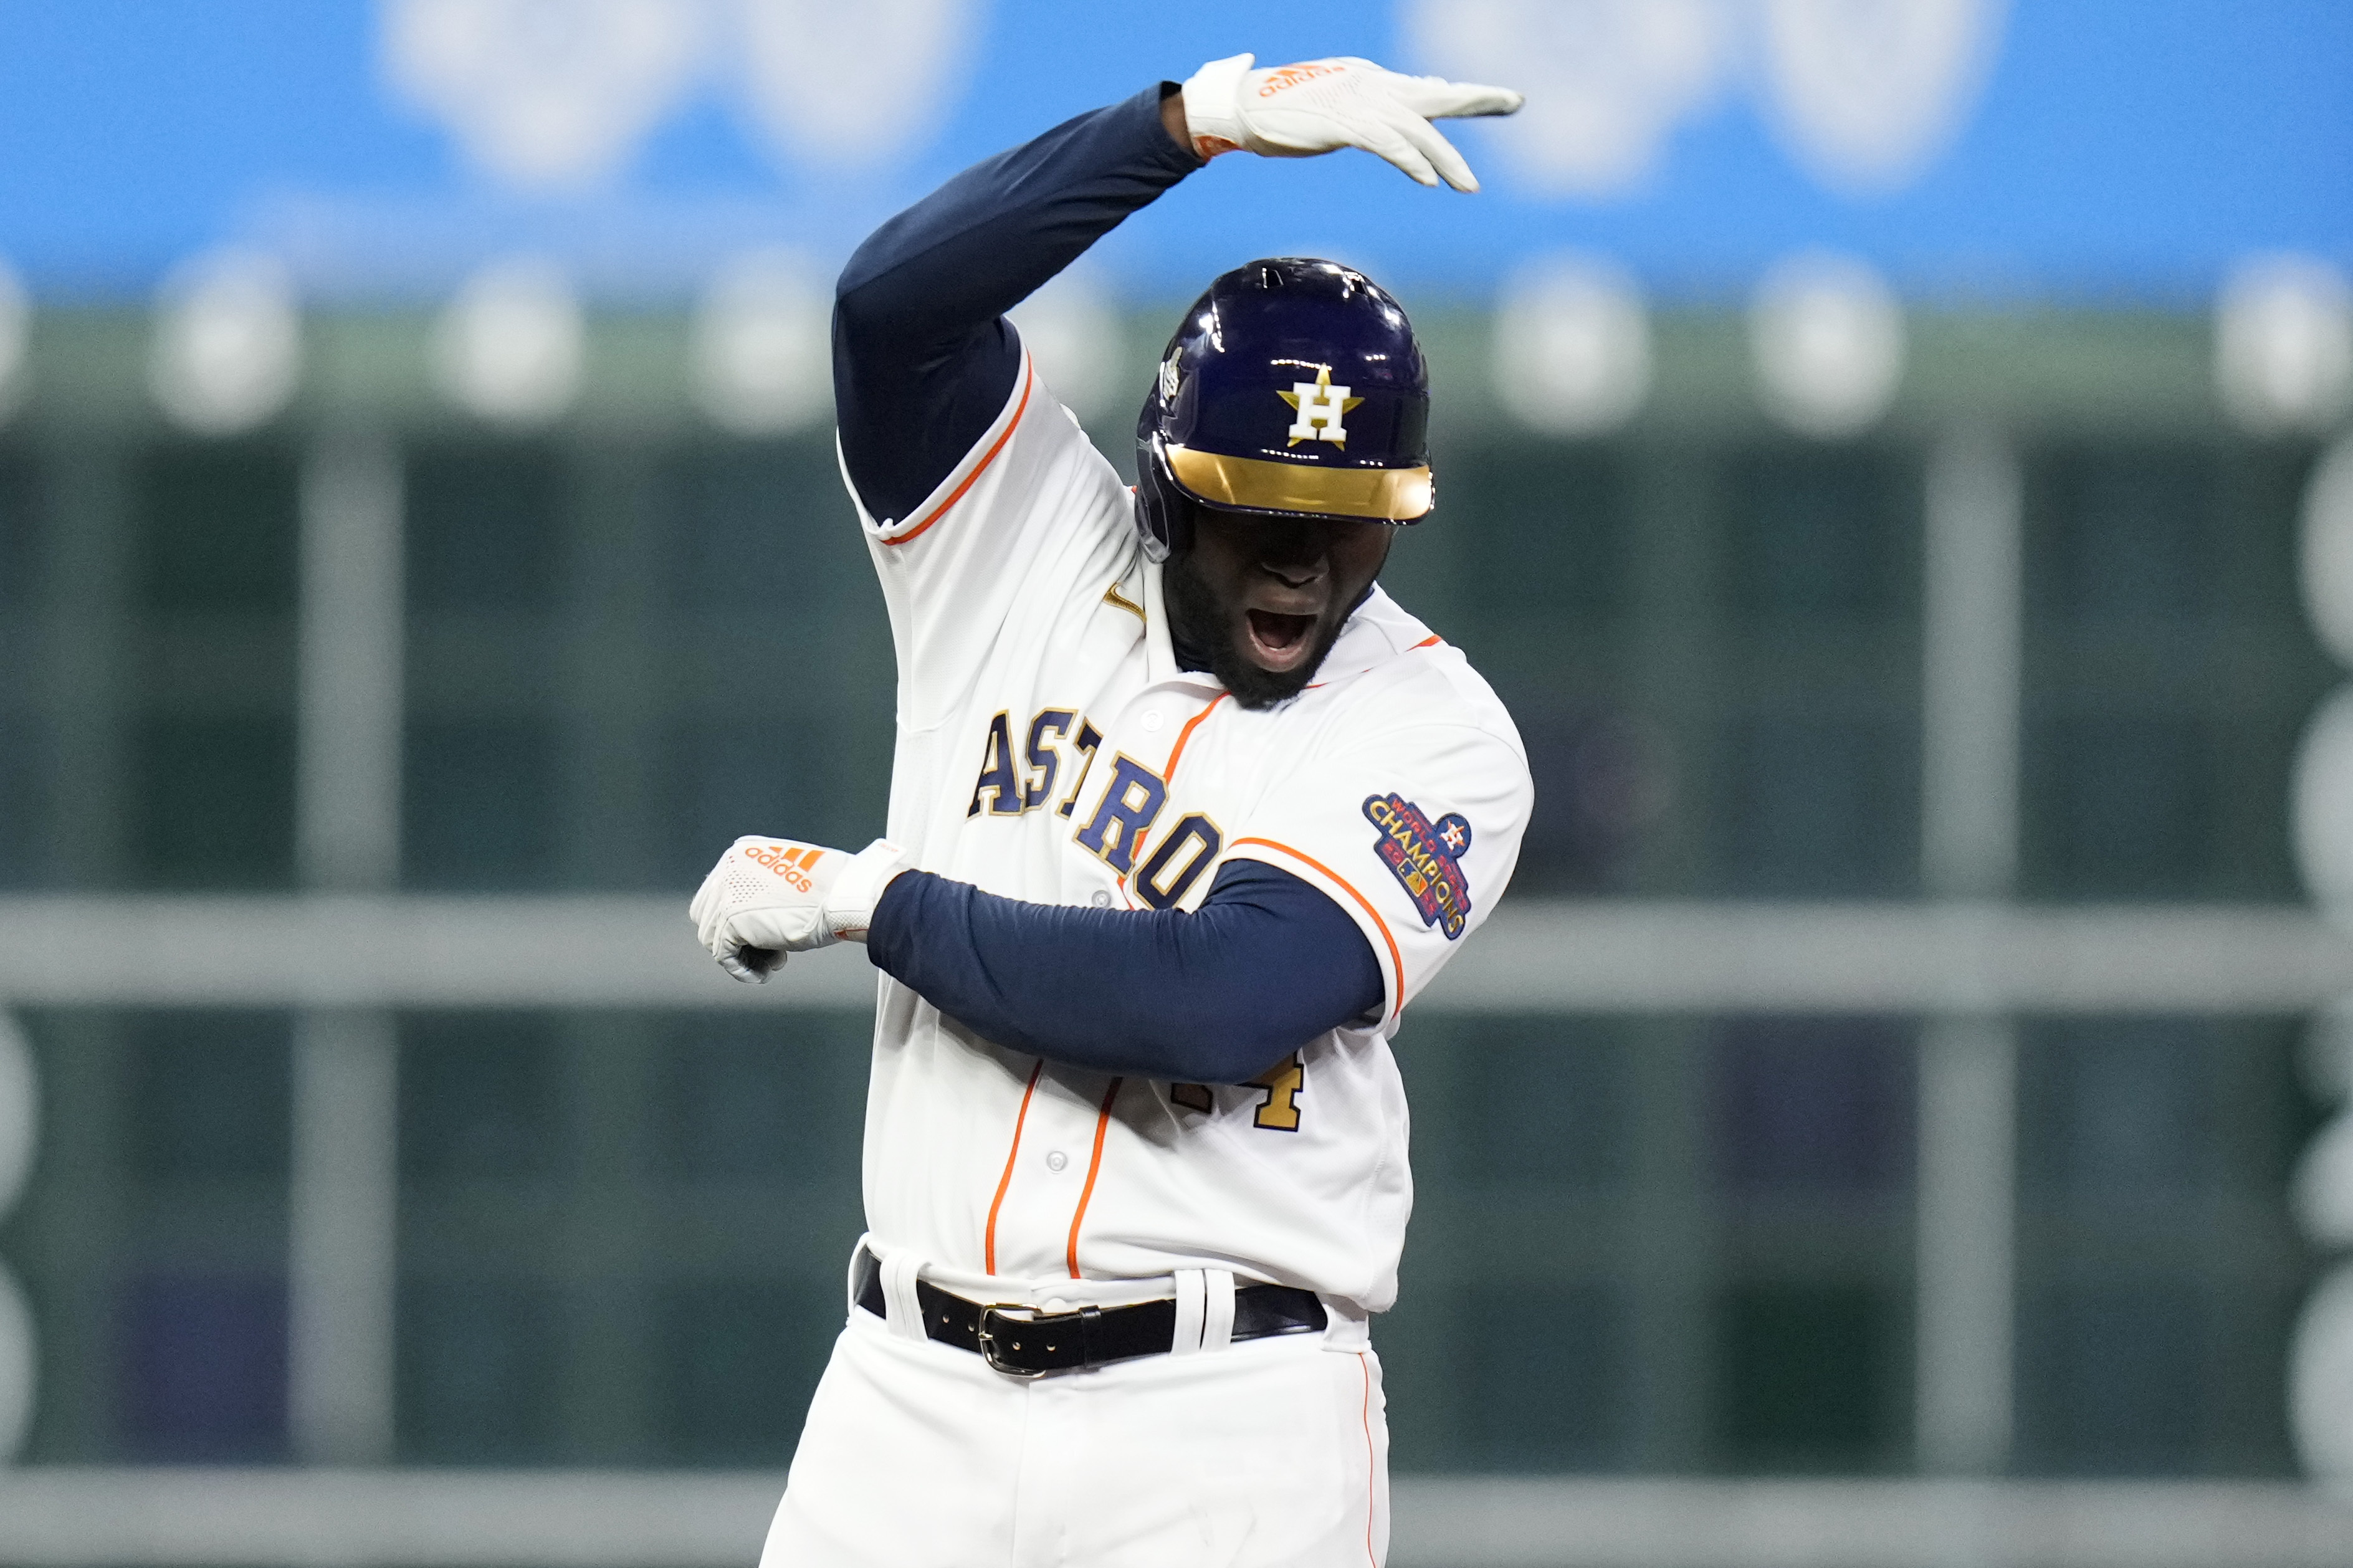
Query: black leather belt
[1022, 1343]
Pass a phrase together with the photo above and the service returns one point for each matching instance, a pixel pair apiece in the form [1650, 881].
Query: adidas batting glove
[768, 897]
[1317, 106]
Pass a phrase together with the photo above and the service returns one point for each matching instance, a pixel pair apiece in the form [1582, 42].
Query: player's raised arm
[922, 358]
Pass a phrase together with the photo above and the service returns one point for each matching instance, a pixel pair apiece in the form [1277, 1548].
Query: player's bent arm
[922, 361]
[1210, 996]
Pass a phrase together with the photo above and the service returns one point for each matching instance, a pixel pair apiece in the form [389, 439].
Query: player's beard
[1201, 635]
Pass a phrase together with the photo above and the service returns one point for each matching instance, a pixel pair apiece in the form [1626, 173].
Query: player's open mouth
[1278, 641]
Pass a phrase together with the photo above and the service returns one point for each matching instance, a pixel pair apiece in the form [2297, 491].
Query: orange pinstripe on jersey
[1029, 379]
[1430, 641]
[1187, 734]
[1372, 1472]
[988, 1240]
[1094, 1167]
[1397, 961]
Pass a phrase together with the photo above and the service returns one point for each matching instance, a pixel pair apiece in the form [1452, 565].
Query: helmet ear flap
[1164, 513]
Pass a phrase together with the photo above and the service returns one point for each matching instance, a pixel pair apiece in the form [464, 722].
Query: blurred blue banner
[2079, 148]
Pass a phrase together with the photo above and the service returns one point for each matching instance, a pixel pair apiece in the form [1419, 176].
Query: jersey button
[1056, 1159]
[1102, 898]
[1152, 720]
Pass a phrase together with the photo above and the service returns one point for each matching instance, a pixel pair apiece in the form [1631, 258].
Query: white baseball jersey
[1050, 749]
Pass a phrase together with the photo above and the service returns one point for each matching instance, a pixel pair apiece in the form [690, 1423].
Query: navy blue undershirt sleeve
[922, 360]
[1213, 996]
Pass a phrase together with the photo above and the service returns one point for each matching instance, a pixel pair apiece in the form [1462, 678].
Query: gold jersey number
[1283, 1083]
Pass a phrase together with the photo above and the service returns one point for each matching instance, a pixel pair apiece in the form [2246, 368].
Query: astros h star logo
[1320, 406]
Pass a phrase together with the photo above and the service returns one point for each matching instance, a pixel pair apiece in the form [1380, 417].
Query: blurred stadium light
[16, 314]
[509, 346]
[545, 95]
[763, 336]
[1868, 111]
[2284, 343]
[802, 64]
[1828, 337]
[1572, 348]
[229, 344]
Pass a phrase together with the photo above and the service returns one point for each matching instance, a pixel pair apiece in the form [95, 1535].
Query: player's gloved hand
[768, 897]
[1316, 106]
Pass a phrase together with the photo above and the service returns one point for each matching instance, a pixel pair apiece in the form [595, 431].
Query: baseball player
[1184, 812]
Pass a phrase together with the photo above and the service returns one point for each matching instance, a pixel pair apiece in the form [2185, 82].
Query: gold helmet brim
[1262, 485]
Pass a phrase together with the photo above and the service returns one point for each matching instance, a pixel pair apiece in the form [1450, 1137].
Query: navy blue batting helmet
[1292, 388]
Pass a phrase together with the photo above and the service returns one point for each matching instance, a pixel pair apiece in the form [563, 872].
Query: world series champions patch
[1423, 855]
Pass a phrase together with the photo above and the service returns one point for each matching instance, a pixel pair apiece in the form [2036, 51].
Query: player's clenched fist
[768, 897]
[1316, 106]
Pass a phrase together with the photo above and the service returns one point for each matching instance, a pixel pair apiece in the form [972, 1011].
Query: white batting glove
[1316, 106]
[768, 897]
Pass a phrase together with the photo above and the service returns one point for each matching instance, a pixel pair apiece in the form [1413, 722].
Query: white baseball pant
[1272, 1452]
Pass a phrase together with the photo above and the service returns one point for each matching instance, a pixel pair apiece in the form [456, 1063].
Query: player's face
[1273, 594]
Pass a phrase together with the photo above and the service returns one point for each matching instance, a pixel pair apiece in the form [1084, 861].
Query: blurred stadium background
[1900, 1114]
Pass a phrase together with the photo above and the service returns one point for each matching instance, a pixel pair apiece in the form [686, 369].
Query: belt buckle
[996, 1317]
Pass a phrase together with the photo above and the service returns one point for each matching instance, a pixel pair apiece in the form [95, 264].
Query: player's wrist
[1172, 115]
[1209, 105]
[857, 888]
